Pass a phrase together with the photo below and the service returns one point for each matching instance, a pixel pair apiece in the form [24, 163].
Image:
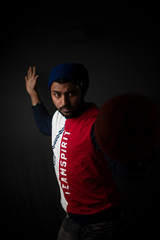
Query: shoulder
[58, 119]
[91, 111]
[86, 119]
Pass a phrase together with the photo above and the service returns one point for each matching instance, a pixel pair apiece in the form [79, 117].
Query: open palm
[31, 80]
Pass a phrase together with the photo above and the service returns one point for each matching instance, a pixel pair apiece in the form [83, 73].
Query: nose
[64, 100]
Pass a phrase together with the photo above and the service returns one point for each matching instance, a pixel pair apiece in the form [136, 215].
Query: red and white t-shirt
[86, 183]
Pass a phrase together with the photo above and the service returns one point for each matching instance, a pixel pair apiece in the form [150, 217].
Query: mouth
[66, 110]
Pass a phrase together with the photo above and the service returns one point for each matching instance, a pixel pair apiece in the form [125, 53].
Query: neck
[81, 108]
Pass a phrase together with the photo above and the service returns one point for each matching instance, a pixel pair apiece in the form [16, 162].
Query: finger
[26, 78]
[29, 72]
[34, 70]
[36, 77]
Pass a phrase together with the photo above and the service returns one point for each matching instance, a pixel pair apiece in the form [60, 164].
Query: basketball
[127, 128]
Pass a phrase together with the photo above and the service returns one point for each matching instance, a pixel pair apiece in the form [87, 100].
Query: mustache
[66, 106]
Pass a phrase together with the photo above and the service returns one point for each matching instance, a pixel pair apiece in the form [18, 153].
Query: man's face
[66, 97]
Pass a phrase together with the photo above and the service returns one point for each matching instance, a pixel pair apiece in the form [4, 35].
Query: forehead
[63, 87]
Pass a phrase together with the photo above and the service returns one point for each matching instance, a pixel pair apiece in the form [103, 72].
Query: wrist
[34, 98]
[33, 93]
[35, 104]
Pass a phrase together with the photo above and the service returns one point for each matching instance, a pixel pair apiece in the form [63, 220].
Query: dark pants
[105, 230]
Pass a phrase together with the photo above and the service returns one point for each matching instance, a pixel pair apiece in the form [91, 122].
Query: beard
[68, 111]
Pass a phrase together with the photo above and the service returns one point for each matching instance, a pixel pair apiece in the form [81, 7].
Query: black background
[120, 49]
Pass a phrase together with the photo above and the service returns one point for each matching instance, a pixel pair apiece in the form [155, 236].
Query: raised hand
[31, 80]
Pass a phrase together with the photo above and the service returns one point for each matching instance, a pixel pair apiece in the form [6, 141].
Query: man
[89, 194]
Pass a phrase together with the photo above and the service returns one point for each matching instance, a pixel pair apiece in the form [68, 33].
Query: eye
[56, 94]
[72, 93]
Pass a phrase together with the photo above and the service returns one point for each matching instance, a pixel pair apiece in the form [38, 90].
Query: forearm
[34, 98]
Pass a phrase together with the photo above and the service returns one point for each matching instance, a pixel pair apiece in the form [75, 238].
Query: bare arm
[31, 80]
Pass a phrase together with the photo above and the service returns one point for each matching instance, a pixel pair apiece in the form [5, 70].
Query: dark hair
[62, 80]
